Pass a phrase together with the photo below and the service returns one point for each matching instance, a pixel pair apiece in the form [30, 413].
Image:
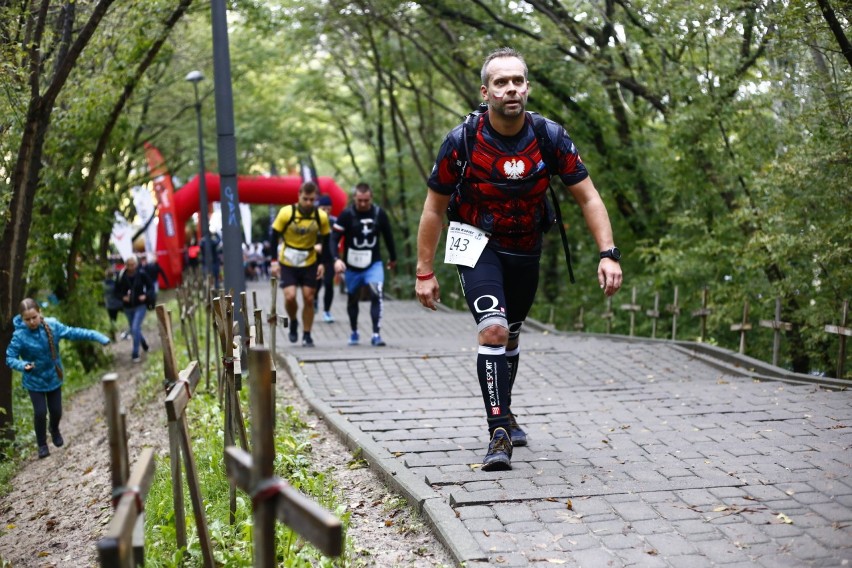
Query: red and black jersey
[501, 188]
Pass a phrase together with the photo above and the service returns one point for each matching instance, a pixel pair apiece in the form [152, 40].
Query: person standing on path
[495, 196]
[326, 283]
[134, 288]
[359, 226]
[302, 227]
[34, 351]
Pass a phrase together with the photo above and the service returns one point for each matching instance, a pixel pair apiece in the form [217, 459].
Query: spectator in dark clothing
[113, 304]
[133, 288]
[327, 260]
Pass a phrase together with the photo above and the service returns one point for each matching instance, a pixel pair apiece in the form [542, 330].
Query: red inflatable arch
[252, 189]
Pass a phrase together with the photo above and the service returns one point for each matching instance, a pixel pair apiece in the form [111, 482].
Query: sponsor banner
[245, 217]
[169, 234]
[145, 208]
[122, 236]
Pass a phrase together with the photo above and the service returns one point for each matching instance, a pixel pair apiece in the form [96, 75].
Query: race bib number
[296, 257]
[359, 258]
[465, 244]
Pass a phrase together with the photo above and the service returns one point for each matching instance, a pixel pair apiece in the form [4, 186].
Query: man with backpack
[359, 226]
[491, 178]
[301, 227]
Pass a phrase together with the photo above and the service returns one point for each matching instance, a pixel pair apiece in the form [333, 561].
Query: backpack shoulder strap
[545, 143]
[468, 135]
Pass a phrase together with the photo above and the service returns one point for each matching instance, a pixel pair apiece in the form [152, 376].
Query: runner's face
[507, 90]
[363, 201]
[32, 318]
[306, 202]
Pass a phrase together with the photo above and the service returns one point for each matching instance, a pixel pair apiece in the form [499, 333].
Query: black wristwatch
[612, 253]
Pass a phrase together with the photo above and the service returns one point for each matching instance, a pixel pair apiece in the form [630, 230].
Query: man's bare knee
[494, 335]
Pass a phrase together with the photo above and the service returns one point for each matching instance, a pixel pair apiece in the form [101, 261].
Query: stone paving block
[635, 511]
[513, 512]
[486, 524]
[578, 542]
[744, 534]
[620, 539]
[722, 552]
[465, 513]
[805, 547]
[696, 497]
[495, 542]
[696, 529]
[834, 512]
[646, 528]
[527, 527]
[783, 560]
[689, 561]
[594, 557]
[835, 537]
[670, 544]
[644, 557]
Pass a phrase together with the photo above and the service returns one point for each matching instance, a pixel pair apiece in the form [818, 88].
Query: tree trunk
[26, 175]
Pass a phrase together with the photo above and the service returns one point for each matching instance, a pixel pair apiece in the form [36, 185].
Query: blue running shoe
[377, 340]
[354, 339]
[327, 317]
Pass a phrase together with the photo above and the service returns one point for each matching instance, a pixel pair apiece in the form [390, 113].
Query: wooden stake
[674, 310]
[843, 332]
[632, 307]
[608, 315]
[703, 312]
[654, 315]
[777, 325]
[742, 327]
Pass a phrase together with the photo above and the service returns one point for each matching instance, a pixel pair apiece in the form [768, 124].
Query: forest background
[717, 133]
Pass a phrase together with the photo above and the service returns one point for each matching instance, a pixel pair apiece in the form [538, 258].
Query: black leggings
[44, 402]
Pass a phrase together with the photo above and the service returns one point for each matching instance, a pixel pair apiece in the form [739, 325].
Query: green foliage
[715, 133]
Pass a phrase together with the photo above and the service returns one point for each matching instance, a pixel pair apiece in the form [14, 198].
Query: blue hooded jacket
[31, 346]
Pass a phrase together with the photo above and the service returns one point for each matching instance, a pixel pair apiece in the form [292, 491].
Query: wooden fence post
[742, 327]
[127, 520]
[176, 404]
[777, 325]
[843, 332]
[654, 315]
[272, 497]
[703, 312]
[674, 310]
[579, 325]
[632, 307]
[608, 315]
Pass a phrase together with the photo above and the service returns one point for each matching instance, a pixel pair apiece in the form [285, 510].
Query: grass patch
[232, 543]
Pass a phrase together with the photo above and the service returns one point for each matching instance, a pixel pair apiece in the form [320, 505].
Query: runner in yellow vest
[300, 227]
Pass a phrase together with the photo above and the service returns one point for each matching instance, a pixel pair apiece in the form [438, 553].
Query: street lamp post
[194, 77]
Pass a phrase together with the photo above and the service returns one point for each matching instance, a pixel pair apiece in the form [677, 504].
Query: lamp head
[194, 76]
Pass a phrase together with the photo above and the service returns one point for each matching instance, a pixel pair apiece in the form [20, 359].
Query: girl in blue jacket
[34, 351]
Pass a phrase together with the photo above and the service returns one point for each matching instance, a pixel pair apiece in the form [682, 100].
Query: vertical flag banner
[122, 236]
[245, 217]
[169, 234]
[145, 208]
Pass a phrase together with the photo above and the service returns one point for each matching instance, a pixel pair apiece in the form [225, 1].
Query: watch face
[612, 253]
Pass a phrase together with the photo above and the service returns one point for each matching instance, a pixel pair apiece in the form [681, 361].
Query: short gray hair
[496, 54]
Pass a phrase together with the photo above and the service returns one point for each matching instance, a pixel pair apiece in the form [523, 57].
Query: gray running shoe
[499, 456]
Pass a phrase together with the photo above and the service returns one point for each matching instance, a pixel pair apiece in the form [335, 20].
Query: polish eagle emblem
[514, 168]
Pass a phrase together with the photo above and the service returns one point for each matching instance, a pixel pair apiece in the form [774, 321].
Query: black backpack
[553, 214]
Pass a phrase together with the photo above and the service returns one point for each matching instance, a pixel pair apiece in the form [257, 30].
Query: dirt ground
[60, 505]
